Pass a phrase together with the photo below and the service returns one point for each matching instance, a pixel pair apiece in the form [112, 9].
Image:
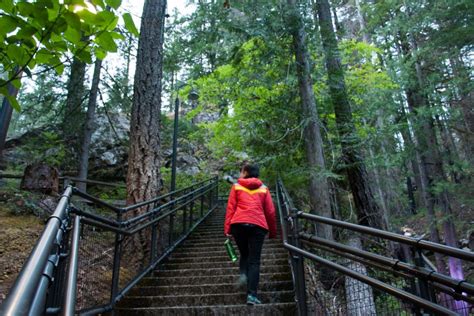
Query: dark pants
[249, 239]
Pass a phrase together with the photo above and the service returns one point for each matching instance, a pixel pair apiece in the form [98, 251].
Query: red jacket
[250, 202]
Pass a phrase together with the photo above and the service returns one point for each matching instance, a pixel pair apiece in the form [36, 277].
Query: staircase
[199, 278]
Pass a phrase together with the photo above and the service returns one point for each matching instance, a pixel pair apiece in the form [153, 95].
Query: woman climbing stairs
[200, 279]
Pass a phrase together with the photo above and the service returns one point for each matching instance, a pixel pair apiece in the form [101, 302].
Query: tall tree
[368, 212]
[435, 194]
[73, 116]
[318, 188]
[89, 125]
[143, 176]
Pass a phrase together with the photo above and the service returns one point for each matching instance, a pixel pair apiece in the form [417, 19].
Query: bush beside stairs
[200, 279]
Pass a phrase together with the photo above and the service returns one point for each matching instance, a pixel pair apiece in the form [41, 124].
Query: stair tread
[204, 285]
[204, 306]
[199, 278]
[261, 293]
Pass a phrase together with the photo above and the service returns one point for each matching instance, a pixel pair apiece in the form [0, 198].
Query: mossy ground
[18, 234]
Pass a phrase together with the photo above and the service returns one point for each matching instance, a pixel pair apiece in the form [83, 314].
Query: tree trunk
[73, 116]
[368, 212]
[413, 161]
[376, 176]
[89, 126]
[143, 174]
[360, 19]
[5, 116]
[319, 188]
[359, 296]
[466, 103]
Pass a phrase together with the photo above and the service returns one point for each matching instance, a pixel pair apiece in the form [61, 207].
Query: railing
[87, 258]
[425, 291]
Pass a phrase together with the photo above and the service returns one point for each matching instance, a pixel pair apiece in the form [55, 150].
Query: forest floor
[18, 234]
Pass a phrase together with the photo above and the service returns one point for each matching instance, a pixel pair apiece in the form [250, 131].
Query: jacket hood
[250, 183]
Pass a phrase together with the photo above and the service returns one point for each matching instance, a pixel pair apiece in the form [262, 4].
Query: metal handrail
[285, 206]
[118, 227]
[22, 294]
[459, 289]
[419, 243]
[394, 264]
[374, 282]
[28, 294]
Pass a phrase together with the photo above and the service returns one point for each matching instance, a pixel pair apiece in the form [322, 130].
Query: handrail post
[71, 285]
[298, 263]
[191, 209]
[154, 236]
[216, 194]
[116, 268]
[422, 286]
[202, 205]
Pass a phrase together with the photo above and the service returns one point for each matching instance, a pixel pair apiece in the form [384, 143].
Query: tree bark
[466, 103]
[5, 117]
[73, 115]
[359, 296]
[414, 159]
[368, 212]
[89, 126]
[360, 19]
[143, 174]
[318, 188]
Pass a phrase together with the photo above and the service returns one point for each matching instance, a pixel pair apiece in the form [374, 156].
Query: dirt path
[18, 234]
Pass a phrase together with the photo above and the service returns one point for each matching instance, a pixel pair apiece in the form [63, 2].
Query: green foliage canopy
[44, 31]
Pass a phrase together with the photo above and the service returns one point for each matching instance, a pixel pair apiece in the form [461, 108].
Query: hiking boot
[243, 282]
[253, 300]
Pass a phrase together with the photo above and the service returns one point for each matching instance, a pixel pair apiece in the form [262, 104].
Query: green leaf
[60, 46]
[30, 43]
[60, 26]
[99, 3]
[129, 24]
[59, 68]
[25, 8]
[18, 54]
[117, 35]
[100, 53]
[114, 3]
[40, 14]
[52, 14]
[7, 6]
[113, 24]
[7, 25]
[13, 102]
[72, 35]
[3, 87]
[105, 41]
[16, 83]
[75, 2]
[85, 56]
[26, 32]
[89, 17]
[73, 20]
[43, 56]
